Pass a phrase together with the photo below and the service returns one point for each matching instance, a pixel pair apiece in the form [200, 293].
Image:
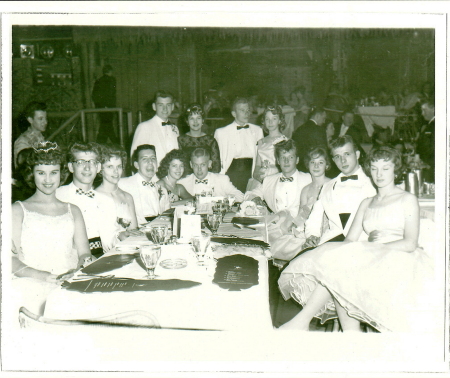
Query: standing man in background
[104, 96]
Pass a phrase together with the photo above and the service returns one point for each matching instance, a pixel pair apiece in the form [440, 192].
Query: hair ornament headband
[281, 138]
[45, 146]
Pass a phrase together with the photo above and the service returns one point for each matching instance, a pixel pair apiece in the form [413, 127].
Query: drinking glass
[200, 245]
[214, 222]
[149, 256]
[157, 233]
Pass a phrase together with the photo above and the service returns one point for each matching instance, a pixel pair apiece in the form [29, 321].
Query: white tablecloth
[383, 116]
[206, 306]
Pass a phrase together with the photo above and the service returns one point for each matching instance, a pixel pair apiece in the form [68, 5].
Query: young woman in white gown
[113, 160]
[49, 236]
[382, 282]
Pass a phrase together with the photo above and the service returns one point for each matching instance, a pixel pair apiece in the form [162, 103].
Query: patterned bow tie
[168, 123]
[149, 183]
[89, 193]
[352, 177]
[205, 181]
[243, 127]
[288, 179]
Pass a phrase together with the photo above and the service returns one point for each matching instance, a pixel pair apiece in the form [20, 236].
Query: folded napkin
[108, 285]
[108, 263]
[236, 272]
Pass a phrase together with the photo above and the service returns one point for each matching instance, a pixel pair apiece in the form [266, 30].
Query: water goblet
[200, 245]
[214, 222]
[150, 255]
[157, 233]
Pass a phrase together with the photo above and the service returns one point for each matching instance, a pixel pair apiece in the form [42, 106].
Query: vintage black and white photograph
[205, 189]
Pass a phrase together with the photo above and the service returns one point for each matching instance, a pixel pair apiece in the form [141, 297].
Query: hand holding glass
[149, 256]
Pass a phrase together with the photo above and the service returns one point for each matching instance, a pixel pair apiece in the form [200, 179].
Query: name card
[190, 226]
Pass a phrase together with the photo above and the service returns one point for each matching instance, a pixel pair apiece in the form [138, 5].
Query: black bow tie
[352, 177]
[149, 183]
[243, 127]
[168, 123]
[89, 193]
[205, 181]
[288, 179]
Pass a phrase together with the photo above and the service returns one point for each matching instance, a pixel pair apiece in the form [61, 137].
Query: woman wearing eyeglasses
[274, 124]
[49, 241]
[196, 138]
[112, 161]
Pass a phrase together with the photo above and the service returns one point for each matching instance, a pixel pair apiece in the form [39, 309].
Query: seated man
[99, 210]
[150, 199]
[282, 190]
[204, 181]
[339, 200]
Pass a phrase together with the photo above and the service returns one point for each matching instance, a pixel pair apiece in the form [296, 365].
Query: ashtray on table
[173, 263]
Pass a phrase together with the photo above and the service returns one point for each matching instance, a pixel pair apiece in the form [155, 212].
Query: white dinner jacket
[226, 138]
[221, 184]
[164, 138]
[268, 190]
[357, 190]
[133, 185]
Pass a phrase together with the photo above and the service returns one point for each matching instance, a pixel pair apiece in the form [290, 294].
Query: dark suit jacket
[306, 136]
[425, 148]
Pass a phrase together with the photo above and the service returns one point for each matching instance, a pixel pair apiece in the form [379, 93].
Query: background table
[206, 306]
[383, 116]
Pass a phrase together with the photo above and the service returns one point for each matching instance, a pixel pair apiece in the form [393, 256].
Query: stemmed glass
[150, 255]
[200, 245]
[214, 221]
[157, 233]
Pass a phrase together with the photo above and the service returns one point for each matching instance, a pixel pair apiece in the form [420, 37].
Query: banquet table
[383, 116]
[206, 306]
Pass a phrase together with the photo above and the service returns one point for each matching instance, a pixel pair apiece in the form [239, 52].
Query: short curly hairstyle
[109, 151]
[285, 146]
[386, 153]
[275, 110]
[314, 153]
[194, 109]
[83, 147]
[46, 153]
[163, 169]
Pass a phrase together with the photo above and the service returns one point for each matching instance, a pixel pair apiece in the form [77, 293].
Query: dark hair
[46, 153]
[199, 152]
[194, 109]
[107, 68]
[163, 169]
[385, 153]
[32, 107]
[275, 110]
[162, 94]
[316, 110]
[341, 142]
[285, 146]
[239, 100]
[109, 151]
[314, 153]
[142, 147]
[348, 110]
[83, 147]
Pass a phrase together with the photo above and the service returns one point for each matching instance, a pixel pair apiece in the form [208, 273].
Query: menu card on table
[236, 272]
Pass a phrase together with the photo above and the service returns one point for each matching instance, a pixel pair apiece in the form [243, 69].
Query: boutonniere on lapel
[160, 192]
[175, 130]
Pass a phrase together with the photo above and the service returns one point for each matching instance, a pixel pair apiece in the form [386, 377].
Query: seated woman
[382, 282]
[49, 236]
[286, 235]
[273, 123]
[196, 138]
[113, 160]
[171, 169]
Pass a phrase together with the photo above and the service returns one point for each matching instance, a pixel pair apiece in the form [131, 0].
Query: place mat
[108, 285]
[239, 241]
[236, 272]
[108, 263]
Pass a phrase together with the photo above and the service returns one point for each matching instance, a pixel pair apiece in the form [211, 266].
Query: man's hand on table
[127, 233]
[312, 241]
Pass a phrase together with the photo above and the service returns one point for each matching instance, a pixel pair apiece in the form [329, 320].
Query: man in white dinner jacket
[98, 209]
[282, 190]
[150, 199]
[237, 145]
[158, 131]
[203, 181]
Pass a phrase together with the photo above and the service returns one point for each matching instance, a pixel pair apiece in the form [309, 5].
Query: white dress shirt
[344, 130]
[148, 200]
[219, 184]
[164, 138]
[99, 213]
